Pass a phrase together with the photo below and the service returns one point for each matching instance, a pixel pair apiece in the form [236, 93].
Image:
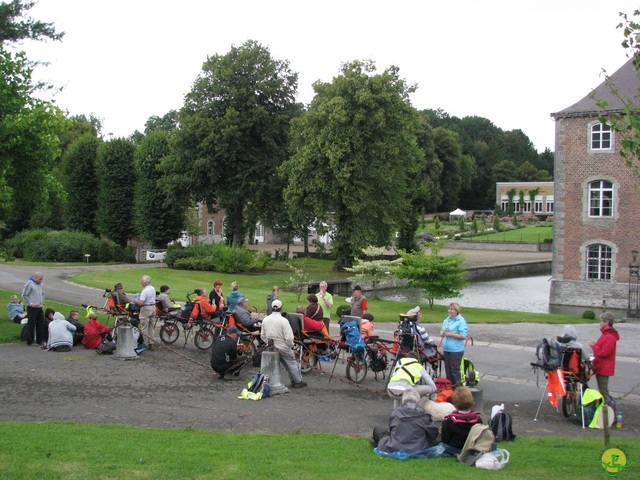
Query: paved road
[176, 388]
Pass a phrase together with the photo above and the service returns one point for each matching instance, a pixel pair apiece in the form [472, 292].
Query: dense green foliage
[217, 257]
[233, 135]
[66, 246]
[16, 26]
[359, 137]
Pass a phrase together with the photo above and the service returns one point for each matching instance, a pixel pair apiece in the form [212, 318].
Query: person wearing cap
[243, 315]
[16, 309]
[94, 332]
[60, 334]
[422, 332]
[147, 303]
[224, 354]
[359, 305]
[277, 330]
[118, 295]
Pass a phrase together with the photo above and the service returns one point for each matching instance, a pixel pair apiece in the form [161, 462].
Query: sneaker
[140, 348]
[299, 384]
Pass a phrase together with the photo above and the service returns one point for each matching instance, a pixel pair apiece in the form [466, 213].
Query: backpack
[479, 441]
[257, 389]
[469, 376]
[351, 333]
[107, 347]
[184, 312]
[379, 362]
[548, 354]
[501, 426]
[443, 389]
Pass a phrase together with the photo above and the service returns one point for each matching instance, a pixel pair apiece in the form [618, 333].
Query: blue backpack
[352, 336]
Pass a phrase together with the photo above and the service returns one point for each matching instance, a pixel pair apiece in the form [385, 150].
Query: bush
[66, 246]
[217, 257]
[589, 315]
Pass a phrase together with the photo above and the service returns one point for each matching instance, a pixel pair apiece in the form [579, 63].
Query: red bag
[444, 390]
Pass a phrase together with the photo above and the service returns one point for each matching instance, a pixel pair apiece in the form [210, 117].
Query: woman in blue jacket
[454, 334]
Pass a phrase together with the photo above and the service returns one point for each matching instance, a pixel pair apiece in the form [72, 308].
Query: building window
[537, 205]
[600, 136]
[210, 227]
[527, 206]
[504, 203]
[516, 207]
[599, 262]
[600, 199]
[549, 203]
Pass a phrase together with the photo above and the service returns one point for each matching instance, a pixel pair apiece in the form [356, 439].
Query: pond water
[524, 294]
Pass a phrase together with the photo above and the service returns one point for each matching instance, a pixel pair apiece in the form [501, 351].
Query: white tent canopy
[458, 213]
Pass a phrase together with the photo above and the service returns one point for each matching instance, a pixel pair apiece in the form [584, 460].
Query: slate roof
[627, 83]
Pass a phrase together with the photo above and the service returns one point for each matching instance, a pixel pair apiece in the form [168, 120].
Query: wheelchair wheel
[305, 360]
[570, 400]
[169, 332]
[357, 367]
[204, 338]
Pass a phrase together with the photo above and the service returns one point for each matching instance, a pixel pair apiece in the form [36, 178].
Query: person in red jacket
[94, 332]
[604, 352]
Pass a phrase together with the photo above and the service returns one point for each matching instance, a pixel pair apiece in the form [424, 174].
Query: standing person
[277, 329]
[73, 319]
[359, 304]
[16, 309]
[60, 334]
[275, 291]
[147, 303]
[33, 298]
[233, 297]
[224, 354]
[325, 300]
[216, 297]
[604, 352]
[454, 333]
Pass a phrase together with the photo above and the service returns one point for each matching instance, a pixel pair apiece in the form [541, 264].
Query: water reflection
[525, 294]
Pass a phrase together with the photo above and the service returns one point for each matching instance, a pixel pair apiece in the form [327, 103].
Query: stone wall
[499, 246]
[479, 274]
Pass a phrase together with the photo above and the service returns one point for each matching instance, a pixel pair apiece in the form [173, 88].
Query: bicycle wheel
[169, 332]
[570, 400]
[304, 360]
[204, 337]
[357, 367]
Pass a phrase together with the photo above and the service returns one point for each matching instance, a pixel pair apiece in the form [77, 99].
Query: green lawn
[76, 451]
[524, 235]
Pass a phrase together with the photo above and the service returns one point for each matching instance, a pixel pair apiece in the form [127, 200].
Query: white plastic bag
[493, 460]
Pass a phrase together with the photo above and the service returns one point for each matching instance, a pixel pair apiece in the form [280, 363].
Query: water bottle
[619, 419]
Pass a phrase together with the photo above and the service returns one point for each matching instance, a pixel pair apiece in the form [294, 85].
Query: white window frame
[601, 194]
[549, 203]
[537, 205]
[600, 137]
[599, 262]
[504, 203]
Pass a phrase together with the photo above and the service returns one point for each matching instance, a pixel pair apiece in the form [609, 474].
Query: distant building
[540, 204]
[597, 203]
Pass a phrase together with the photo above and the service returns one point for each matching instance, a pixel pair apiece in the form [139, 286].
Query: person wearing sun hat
[94, 332]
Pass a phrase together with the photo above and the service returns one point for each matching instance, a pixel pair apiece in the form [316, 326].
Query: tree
[29, 129]
[81, 179]
[356, 146]
[14, 26]
[449, 153]
[373, 272]
[160, 216]
[168, 122]
[116, 189]
[438, 277]
[233, 134]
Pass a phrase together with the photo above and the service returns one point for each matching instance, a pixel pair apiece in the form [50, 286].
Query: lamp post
[633, 311]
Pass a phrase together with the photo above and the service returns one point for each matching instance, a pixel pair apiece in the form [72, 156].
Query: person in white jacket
[60, 334]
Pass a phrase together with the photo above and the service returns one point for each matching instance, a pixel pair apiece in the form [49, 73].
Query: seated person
[366, 326]
[411, 429]
[79, 333]
[314, 316]
[95, 332]
[243, 315]
[163, 300]
[456, 426]
[60, 334]
[569, 339]
[407, 375]
[224, 354]
[16, 310]
[202, 305]
[419, 328]
[119, 297]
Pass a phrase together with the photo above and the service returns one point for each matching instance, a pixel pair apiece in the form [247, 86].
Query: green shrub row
[217, 257]
[66, 246]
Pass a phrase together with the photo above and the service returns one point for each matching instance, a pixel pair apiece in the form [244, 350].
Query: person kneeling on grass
[224, 354]
[410, 430]
[60, 334]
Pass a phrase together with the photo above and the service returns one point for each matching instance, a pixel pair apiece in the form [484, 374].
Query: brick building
[597, 204]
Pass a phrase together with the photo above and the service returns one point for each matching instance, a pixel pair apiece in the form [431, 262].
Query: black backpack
[549, 354]
[501, 426]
